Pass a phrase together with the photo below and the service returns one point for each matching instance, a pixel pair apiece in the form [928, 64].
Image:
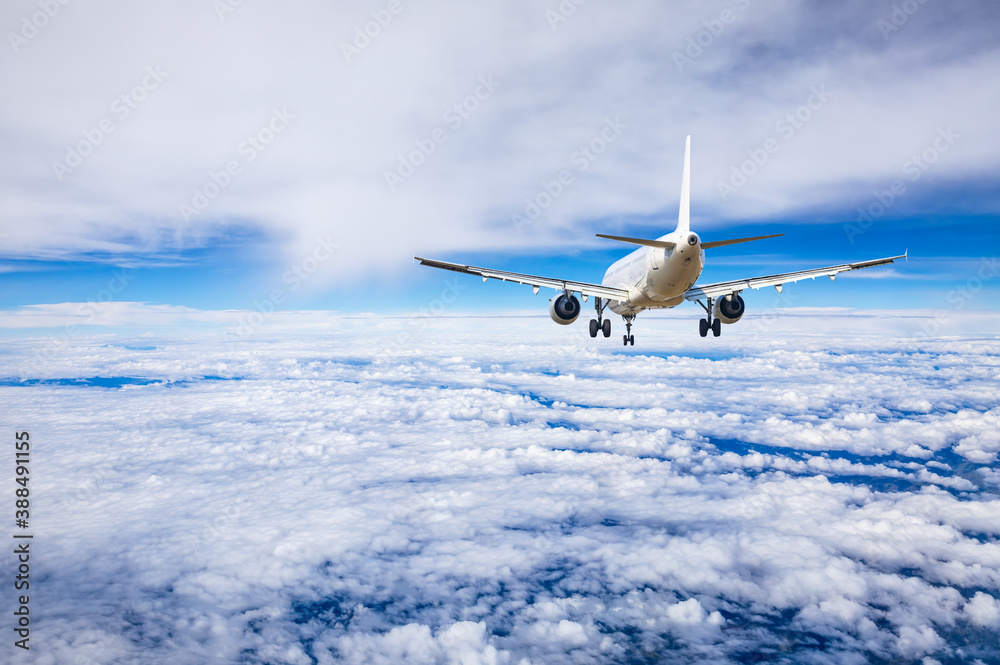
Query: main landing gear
[600, 323]
[707, 323]
[628, 337]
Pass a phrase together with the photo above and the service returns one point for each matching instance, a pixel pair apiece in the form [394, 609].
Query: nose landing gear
[628, 337]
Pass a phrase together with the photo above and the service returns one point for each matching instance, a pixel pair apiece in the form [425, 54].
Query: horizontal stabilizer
[640, 241]
[723, 243]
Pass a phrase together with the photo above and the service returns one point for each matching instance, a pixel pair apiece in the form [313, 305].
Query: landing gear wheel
[703, 327]
[628, 337]
[717, 327]
[600, 323]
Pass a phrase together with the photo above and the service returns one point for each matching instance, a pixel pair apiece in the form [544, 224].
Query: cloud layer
[264, 117]
[428, 492]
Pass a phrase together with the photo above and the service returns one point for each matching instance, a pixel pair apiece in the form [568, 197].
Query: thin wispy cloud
[176, 120]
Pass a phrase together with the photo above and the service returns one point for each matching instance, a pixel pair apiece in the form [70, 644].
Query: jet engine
[729, 309]
[564, 309]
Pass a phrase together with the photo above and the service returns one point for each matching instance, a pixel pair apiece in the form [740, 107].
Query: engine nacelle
[564, 310]
[729, 309]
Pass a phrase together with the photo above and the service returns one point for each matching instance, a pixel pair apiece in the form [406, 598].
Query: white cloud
[462, 643]
[219, 82]
[508, 496]
[984, 610]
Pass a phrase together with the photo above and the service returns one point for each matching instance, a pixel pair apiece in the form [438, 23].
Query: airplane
[660, 274]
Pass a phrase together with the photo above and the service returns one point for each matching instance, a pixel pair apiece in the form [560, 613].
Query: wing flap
[723, 288]
[535, 281]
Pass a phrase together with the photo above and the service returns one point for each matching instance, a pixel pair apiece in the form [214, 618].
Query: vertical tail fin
[684, 215]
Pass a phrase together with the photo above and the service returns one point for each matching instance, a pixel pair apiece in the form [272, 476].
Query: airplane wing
[597, 290]
[725, 288]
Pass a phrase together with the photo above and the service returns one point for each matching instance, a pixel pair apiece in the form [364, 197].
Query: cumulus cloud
[983, 610]
[514, 495]
[462, 643]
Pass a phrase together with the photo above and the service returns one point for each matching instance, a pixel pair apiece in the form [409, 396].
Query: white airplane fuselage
[657, 277]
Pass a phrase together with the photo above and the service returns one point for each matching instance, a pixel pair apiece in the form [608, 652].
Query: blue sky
[235, 275]
[214, 168]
